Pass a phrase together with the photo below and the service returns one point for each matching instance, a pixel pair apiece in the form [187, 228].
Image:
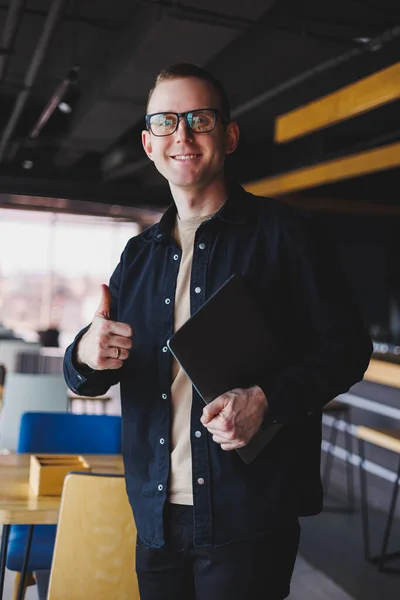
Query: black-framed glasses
[201, 120]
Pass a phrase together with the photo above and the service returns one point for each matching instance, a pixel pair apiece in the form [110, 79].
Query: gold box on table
[47, 472]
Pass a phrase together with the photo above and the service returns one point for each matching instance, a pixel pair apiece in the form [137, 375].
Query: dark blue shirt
[324, 349]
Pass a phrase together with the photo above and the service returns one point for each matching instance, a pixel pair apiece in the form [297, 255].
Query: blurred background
[74, 78]
[315, 89]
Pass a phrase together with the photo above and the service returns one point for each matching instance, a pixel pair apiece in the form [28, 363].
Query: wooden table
[18, 504]
[385, 438]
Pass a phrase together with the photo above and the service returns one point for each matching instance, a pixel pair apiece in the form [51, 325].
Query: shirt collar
[233, 211]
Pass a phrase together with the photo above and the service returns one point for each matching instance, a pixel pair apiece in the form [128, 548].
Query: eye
[202, 120]
[163, 120]
[199, 119]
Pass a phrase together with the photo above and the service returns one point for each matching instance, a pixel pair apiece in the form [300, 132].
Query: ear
[232, 137]
[146, 141]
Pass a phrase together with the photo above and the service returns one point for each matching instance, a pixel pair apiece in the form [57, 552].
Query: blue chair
[57, 433]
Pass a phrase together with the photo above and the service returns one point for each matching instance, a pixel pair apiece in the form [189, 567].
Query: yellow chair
[94, 554]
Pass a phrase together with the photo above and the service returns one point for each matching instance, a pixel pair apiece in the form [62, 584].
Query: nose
[183, 132]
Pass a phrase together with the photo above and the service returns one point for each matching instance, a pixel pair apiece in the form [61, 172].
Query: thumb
[213, 409]
[103, 310]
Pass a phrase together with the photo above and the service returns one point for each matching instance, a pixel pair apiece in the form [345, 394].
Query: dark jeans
[254, 569]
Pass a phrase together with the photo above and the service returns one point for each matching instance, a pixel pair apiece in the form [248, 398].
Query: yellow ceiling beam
[354, 165]
[354, 99]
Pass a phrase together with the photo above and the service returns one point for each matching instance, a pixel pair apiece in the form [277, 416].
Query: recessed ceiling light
[27, 164]
[65, 107]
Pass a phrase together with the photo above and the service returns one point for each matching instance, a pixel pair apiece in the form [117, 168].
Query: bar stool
[339, 411]
[390, 440]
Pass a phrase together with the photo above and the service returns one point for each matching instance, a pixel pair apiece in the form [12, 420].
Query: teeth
[185, 156]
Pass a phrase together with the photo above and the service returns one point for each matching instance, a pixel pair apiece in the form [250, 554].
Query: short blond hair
[188, 70]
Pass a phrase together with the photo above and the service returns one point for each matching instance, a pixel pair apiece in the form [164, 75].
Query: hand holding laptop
[235, 417]
[224, 348]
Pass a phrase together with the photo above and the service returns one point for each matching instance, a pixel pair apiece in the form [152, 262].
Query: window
[51, 268]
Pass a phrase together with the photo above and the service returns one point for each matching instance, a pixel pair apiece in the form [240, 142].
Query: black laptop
[226, 344]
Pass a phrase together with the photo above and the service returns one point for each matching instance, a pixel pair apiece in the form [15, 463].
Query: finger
[222, 439]
[232, 446]
[213, 409]
[103, 310]
[116, 328]
[227, 445]
[226, 434]
[120, 341]
[218, 427]
[109, 363]
[117, 353]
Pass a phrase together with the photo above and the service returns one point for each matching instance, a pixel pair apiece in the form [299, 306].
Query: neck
[200, 202]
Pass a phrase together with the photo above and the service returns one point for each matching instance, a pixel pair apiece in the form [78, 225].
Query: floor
[308, 584]
[332, 543]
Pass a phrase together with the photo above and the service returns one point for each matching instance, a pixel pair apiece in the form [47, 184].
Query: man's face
[187, 159]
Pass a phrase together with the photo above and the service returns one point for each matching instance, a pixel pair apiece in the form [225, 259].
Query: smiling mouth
[185, 157]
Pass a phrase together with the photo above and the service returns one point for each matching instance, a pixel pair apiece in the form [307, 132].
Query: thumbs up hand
[103, 310]
[106, 343]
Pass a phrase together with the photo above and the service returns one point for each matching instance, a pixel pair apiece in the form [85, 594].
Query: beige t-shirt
[180, 486]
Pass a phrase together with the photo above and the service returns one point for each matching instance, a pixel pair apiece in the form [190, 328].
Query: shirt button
[197, 290]
[175, 257]
[165, 349]
[200, 481]
[162, 441]
[202, 246]
[159, 236]
[167, 301]
[80, 377]
[160, 488]
[164, 396]
[197, 434]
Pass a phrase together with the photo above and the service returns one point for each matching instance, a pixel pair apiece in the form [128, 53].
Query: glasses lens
[201, 121]
[163, 123]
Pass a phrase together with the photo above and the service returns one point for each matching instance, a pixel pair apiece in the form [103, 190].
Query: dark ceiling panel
[271, 56]
[153, 40]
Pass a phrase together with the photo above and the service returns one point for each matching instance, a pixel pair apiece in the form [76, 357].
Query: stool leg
[349, 466]
[329, 457]
[29, 580]
[364, 501]
[21, 588]
[3, 555]
[389, 521]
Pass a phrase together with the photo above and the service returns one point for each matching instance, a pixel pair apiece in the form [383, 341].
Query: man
[210, 526]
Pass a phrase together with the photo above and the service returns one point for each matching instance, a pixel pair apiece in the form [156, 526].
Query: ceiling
[271, 55]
